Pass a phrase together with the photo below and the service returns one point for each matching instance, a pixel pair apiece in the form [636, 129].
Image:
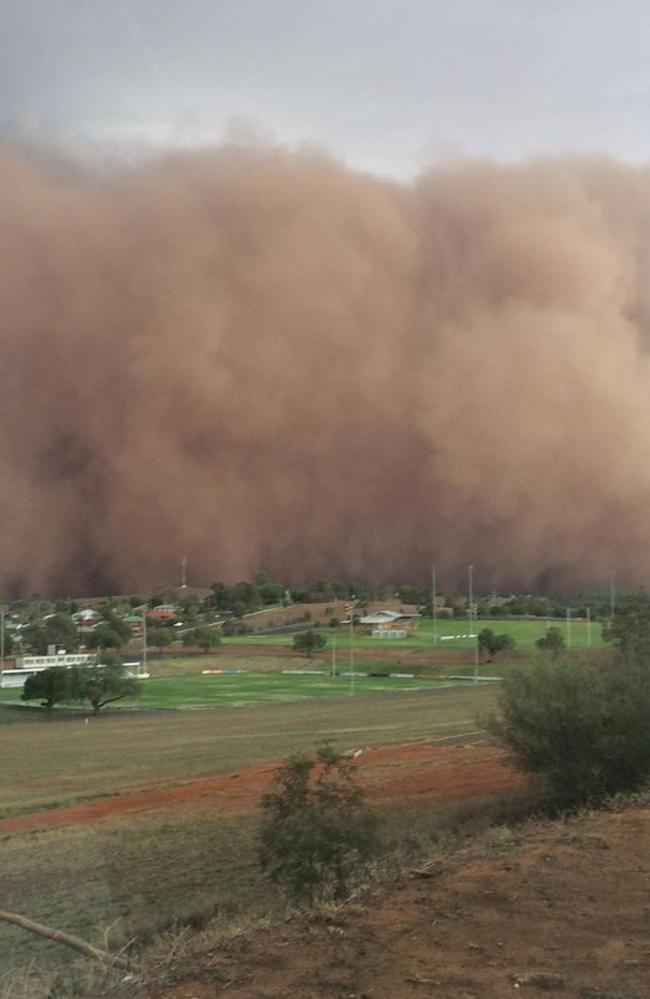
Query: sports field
[451, 634]
[194, 690]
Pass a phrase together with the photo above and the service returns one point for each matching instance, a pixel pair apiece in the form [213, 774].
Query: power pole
[470, 586]
[352, 646]
[144, 639]
[434, 594]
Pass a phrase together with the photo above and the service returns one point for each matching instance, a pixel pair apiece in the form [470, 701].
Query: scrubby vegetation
[317, 834]
[581, 724]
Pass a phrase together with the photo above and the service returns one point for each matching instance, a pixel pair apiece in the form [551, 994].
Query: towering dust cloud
[264, 360]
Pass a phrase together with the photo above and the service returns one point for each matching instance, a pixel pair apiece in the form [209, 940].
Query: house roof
[386, 617]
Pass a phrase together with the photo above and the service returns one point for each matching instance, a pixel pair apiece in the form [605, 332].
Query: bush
[581, 724]
[204, 638]
[308, 642]
[552, 642]
[490, 644]
[317, 834]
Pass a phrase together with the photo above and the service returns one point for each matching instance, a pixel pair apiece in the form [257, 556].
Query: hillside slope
[560, 909]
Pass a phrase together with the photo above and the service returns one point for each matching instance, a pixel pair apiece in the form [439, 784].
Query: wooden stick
[65, 938]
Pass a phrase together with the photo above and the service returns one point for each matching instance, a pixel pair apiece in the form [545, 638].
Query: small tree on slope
[317, 833]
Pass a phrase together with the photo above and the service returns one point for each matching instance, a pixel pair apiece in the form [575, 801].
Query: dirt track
[441, 772]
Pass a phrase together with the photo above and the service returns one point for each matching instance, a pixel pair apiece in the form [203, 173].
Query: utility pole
[470, 587]
[144, 640]
[434, 594]
[184, 572]
[352, 645]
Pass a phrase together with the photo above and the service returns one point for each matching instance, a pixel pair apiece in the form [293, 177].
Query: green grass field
[525, 634]
[193, 690]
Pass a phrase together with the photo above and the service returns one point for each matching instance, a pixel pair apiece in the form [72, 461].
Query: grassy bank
[63, 762]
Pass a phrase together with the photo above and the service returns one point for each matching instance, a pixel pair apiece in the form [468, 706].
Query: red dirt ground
[441, 772]
[558, 909]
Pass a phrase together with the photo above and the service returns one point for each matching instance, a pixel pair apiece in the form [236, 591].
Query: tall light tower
[434, 594]
[470, 587]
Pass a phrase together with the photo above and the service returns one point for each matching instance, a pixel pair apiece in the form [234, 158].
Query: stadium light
[470, 582]
[434, 594]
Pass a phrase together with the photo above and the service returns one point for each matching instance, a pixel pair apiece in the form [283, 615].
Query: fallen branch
[76, 943]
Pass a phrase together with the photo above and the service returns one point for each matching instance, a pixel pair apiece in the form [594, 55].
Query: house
[87, 618]
[389, 624]
[134, 622]
[163, 613]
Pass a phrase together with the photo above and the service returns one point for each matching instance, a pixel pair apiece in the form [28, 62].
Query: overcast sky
[385, 84]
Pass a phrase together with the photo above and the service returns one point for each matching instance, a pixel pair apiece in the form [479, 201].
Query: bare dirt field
[443, 772]
[554, 909]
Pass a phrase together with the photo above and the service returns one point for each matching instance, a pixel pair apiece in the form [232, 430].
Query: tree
[308, 642]
[552, 642]
[629, 630]
[202, 638]
[490, 644]
[58, 629]
[317, 833]
[102, 685]
[104, 636]
[271, 591]
[116, 624]
[50, 686]
[580, 723]
[160, 638]
[10, 644]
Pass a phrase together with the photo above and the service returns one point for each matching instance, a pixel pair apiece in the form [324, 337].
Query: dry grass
[49, 764]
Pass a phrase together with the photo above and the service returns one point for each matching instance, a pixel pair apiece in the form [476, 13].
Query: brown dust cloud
[261, 359]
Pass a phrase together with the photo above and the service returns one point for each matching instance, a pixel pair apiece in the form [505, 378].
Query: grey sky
[386, 85]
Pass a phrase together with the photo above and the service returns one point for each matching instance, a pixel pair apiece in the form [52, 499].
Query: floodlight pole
[352, 649]
[144, 639]
[434, 594]
[470, 582]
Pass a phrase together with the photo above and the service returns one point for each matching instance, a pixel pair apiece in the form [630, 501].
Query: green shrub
[317, 834]
[552, 642]
[308, 642]
[582, 725]
[490, 644]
